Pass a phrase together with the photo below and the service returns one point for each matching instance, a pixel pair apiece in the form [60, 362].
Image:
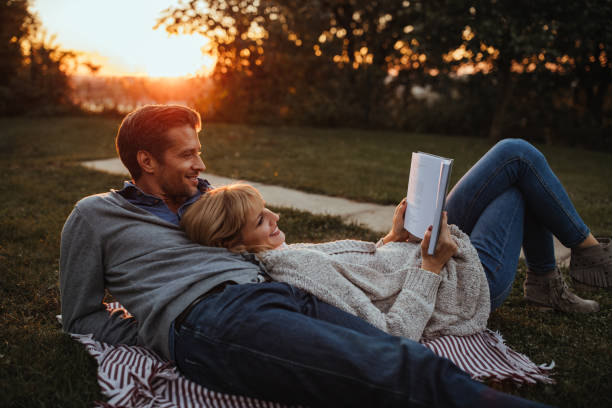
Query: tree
[32, 68]
[583, 45]
[514, 40]
[14, 18]
[302, 54]
[361, 58]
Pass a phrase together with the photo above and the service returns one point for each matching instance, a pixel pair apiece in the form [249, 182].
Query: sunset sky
[119, 35]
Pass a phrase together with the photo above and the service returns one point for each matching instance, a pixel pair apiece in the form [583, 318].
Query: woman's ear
[146, 161]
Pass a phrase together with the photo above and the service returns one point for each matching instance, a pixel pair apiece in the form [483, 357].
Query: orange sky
[119, 35]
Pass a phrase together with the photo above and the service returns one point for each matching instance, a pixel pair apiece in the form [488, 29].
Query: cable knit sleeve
[413, 307]
[463, 300]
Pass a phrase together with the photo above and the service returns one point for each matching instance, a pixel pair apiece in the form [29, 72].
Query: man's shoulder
[97, 204]
[98, 199]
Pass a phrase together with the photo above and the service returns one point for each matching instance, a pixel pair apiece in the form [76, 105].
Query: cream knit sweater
[386, 287]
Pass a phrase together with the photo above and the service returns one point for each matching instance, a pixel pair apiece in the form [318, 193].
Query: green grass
[373, 166]
[39, 184]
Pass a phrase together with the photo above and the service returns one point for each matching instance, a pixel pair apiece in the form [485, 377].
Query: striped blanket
[133, 376]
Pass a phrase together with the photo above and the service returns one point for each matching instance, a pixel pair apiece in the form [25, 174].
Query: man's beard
[176, 195]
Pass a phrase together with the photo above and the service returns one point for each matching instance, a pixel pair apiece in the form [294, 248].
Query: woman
[396, 287]
[508, 199]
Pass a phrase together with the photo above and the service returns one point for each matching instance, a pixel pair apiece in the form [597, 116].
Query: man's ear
[146, 161]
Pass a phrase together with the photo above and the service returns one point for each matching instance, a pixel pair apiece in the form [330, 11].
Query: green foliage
[584, 35]
[545, 65]
[13, 14]
[274, 66]
[32, 67]
[568, 40]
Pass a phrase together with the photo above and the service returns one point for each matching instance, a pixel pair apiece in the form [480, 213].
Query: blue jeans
[508, 199]
[275, 342]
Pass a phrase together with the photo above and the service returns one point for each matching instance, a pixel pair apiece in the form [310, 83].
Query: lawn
[40, 181]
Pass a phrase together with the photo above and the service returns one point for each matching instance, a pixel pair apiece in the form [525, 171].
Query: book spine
[440, 200]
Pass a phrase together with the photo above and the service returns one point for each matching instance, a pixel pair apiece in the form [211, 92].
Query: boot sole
[540, 306]
[545, 308]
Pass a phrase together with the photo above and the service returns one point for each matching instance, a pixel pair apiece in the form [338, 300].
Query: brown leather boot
[551, 291]
[592, 267]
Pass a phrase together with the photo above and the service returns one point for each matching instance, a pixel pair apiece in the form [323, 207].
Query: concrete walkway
[373, 216]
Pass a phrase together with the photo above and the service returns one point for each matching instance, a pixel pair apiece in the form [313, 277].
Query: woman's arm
[446, 247]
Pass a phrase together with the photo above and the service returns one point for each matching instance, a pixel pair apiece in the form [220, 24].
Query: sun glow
[174, 57]
[118, 36]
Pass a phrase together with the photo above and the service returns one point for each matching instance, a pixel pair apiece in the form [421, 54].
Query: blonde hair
[217, 218]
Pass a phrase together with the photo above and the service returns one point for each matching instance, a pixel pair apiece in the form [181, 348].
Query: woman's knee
[520, 148]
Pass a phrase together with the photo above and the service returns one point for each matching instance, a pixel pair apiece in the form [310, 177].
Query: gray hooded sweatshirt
[146, 263]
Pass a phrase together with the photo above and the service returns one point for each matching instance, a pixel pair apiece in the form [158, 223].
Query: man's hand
[397, 232]
[445, 248]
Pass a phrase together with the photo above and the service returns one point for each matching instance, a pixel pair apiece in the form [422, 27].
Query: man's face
[180, 164]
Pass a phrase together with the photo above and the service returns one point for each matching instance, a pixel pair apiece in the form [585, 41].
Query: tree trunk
[506, 87]
[596, 96]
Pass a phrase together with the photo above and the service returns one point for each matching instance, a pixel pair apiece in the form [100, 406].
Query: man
[214, 312]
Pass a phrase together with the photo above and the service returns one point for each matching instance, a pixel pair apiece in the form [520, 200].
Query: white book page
[422, 193]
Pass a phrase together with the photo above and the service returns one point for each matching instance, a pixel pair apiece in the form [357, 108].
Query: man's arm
[82, 286]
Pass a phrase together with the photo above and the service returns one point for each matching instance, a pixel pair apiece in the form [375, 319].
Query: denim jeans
[508, 199]
[275, 342]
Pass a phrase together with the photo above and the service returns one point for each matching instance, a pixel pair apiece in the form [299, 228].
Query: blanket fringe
[485, 356]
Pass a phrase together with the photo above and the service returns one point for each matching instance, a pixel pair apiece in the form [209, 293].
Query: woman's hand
[398, 233]
[445, 248]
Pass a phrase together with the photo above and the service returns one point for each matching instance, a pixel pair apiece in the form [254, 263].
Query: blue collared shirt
[156, 205]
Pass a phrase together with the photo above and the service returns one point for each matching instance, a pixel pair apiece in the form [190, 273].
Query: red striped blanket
[132, 376]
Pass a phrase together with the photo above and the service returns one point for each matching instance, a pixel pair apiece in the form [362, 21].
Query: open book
[427, 187]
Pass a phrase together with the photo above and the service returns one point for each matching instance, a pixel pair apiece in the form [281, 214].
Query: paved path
[373, 216]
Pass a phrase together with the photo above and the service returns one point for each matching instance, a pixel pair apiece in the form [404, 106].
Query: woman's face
[261, 229]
